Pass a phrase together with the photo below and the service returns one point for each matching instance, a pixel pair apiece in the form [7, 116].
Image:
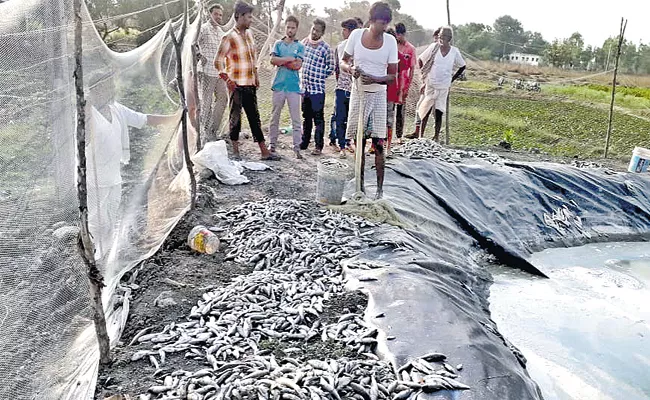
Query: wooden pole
[85, 243]
[181, 93]
[195, 81]
[449, 92]
[360, 148]
[611, 105]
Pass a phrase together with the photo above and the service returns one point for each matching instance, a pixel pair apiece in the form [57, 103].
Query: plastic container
[332, 177]
[201, 239]
[640, 160]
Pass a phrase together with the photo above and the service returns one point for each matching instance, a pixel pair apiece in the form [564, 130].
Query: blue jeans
[342, 108]
[313, 113]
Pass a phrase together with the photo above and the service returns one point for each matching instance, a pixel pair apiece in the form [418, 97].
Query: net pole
[621, 34]
[448, 92]
[195, 79]
[181, 92]
[85, 243]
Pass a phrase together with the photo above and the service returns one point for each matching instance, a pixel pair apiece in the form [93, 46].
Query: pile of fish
[428, 148]
[564, 221]
[296, 250]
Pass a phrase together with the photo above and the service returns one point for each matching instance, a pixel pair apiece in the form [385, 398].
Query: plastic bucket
[640, 160]
[331, 181]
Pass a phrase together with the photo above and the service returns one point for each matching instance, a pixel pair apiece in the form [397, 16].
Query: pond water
[586, 330]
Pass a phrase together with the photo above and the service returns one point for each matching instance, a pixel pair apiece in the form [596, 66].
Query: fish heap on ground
[428, 148]
[296, 249]
[564, 221]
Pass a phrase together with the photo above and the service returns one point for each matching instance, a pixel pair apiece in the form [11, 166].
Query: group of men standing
[374, 68]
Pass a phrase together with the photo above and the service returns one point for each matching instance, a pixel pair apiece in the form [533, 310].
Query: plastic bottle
[203, 240]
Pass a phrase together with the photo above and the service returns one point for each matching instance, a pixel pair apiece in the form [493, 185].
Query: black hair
[350, 24]
[293, 19]
[437, 32]
[320, 23]
[391, 32]
[241, 8]
[400, 28]
[212, 7]
[359, 22]
[381, 11]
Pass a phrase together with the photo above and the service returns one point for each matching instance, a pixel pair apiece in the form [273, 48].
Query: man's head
[446, 34]
[216, 13]
[400, 30]
[391, 32]
[291, 27]
[359, 22]
[243, 14]
[348, 26]
[436, 35]
[380, 16]
[318, 29]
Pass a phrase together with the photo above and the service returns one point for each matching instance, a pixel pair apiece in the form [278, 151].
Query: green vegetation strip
[553, 127]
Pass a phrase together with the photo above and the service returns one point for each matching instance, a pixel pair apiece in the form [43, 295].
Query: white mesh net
[48, 347]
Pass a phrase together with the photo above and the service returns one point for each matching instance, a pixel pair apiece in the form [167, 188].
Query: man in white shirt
[213, 93]
[107, 148]
[438, 63]
[375, 66]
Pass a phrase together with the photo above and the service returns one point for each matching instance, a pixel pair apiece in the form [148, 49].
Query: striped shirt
[316, 67]
[345, 79]
[209, 41]
[237, 57]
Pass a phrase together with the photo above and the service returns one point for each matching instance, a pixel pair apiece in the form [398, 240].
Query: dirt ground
[186, 275]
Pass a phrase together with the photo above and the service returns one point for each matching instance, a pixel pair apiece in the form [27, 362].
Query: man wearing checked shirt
[236, 63]
[316, 67]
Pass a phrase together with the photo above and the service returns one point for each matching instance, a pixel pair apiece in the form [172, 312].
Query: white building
[523, 58]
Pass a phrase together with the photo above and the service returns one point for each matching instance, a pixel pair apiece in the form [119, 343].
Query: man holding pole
[236, 62]
[375, 66]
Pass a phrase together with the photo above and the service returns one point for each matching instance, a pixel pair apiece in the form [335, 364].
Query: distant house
[523, 58]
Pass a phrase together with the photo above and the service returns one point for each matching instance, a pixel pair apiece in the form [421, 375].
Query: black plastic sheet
[434, 296]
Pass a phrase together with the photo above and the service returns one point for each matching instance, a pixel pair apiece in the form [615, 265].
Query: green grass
[476, 85]
[554, 127]
[630, 98]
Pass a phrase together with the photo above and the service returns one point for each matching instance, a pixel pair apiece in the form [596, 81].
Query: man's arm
[346, 66]
[391, 75]
[220, 62]
[329, 62]
[458, 73]
[157, 119]
[337, 65]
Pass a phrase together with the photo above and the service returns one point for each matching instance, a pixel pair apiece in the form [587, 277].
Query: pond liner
[433, 294]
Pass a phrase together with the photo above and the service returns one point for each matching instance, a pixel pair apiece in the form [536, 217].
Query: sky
[553, 18]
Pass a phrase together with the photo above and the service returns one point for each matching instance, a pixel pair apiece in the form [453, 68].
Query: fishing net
[48, 348]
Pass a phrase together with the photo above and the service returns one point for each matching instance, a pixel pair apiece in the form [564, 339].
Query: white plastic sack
[215, 157]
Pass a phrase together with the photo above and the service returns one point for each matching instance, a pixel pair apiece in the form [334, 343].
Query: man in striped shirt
[213, 93]
[317, 66]
[236, 62]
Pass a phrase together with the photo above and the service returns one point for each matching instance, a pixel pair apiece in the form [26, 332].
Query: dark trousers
[342, 109]
[313, 113]
[399, 124]
[245, 97]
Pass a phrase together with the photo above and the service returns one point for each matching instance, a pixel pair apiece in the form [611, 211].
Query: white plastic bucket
[331, 183]
[640, 160]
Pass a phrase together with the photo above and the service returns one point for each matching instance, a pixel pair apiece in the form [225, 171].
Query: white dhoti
[433, 98]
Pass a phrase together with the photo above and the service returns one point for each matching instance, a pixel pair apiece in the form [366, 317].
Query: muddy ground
[185, 275]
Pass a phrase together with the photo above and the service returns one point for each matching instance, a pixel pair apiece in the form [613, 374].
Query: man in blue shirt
[287, 56]
[318, 66]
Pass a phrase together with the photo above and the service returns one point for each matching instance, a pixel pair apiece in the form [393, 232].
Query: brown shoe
[316, 152]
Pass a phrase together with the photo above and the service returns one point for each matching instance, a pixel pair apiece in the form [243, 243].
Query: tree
[510, 33]
[557, 54]
[535, 44]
